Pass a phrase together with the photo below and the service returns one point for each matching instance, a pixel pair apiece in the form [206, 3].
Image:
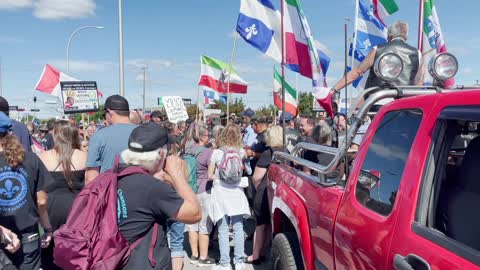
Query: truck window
[451, 186]
[385, 161]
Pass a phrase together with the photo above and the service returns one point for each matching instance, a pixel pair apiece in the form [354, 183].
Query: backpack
[191, 160]
[91, 239]
[230, 169]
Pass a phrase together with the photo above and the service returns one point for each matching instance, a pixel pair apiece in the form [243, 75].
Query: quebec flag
[259, 24]
[370, 33]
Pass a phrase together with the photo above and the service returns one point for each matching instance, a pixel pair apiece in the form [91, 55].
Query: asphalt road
[215, 253]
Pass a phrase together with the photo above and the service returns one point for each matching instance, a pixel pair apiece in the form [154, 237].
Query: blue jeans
[224, 243]
[175, 236]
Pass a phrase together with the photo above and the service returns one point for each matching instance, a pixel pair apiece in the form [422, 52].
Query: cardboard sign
[79, 97]
[175, 108]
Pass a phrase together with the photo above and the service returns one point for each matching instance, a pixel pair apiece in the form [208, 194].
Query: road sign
[187, 101]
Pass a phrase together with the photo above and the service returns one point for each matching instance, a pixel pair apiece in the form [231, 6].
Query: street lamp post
[70, 39]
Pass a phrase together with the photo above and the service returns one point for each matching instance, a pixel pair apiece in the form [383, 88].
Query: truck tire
[286, 253]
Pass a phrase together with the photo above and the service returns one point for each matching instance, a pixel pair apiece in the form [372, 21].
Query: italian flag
[433, 39]
[300, 47]
[291, 98]
[215, 75]
[297, 55]
[384, 8]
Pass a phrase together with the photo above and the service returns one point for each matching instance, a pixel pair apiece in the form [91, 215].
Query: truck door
[368, 212]
[440, 228]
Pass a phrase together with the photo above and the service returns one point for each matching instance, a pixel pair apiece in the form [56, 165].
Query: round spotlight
[388, 66]
[443, 66]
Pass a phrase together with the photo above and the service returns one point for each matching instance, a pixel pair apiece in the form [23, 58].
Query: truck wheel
[286, 252]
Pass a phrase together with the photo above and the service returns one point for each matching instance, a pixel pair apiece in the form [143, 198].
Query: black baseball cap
[149, 137]
[156, 113]
[4, 106]
[260, 120]
[117, 103]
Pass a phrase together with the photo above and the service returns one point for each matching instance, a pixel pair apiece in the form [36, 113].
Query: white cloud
[466, 71]
[53, 9]
[61, 9]
[83, 65]
[151, 63]
[322, 47]
[15, 4]
[10, 40]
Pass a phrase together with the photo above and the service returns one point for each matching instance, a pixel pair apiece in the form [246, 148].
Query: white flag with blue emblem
[370, 33]
[259, 25]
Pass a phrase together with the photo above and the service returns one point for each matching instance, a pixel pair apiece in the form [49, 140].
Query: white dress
[228, 200]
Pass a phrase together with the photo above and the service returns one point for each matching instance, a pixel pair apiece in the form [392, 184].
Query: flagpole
[284, 139]
[346, 89]
[198, 102]
[235, 37]
[420, 26]
[354, 42]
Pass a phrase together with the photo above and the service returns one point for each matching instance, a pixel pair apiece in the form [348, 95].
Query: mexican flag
[433, 39]
[215, 75]
[291, 98]
[384, 8]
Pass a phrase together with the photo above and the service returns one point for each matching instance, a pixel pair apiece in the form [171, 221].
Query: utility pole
[120, 41]
[144, 82]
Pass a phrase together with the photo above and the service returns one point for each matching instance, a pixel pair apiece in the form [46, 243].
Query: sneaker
[219, 267]
[193, 260]
[240, 266]
[206, 262]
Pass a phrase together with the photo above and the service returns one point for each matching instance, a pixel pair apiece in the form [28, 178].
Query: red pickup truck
[408, 201]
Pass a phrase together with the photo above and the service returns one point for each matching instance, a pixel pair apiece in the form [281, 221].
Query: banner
[208, 112]
[79, 97]
[175, 108]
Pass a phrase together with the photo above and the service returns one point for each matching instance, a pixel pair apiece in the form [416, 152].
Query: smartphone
[6, 240]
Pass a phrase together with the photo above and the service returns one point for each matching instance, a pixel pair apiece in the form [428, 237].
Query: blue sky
[170, 36]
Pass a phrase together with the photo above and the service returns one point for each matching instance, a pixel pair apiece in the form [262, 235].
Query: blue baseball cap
[288, 117]
[5, 123]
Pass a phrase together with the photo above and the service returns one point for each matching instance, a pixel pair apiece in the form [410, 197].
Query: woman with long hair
[261, 240]
[66, 164]
[229, 203]
[23, 179]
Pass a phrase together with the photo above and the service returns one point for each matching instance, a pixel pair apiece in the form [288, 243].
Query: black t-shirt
[261, 145]
[315, 157]
[266, 157]
[18, 193]
[143, 200]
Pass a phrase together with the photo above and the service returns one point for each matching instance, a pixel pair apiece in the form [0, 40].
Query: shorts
[205, 225]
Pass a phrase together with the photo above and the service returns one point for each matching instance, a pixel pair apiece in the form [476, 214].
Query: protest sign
[79, 96]
[208, 112]
[175, 108]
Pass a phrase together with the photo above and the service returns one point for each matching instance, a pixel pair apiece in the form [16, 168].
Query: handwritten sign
[79, 97]
[175, 108]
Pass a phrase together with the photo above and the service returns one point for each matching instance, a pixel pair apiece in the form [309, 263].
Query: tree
[236, 107]
[271, 110]
[305, 103]
[192, 111]
[93, 116]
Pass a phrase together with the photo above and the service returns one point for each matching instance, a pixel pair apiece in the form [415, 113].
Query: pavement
[215, 253]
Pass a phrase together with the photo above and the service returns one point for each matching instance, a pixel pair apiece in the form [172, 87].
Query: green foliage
[236, 107]
[271, 110]
[93, 117]
[192, 111]
[305, 103]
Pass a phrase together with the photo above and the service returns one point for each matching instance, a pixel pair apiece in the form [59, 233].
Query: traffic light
[35, 99]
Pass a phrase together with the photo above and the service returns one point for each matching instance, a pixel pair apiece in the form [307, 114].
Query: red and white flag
[49, 82]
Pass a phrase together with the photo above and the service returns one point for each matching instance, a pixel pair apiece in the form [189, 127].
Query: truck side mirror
[368, 179]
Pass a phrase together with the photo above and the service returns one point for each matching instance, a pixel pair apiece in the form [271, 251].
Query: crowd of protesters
[204, 179]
